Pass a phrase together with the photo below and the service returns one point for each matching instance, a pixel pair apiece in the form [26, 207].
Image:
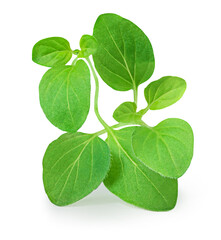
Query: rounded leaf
[52, 52]
[126, 113]
[73, 166]
[164, 92]
[88, 46]
[65, 95]
[166, 148]
[124, 58]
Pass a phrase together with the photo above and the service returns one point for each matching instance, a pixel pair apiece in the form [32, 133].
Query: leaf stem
[107, 128]
[74, 61]
[142, 123]
[144, 110]
[113, 126]
[105, 125]
[135, 94]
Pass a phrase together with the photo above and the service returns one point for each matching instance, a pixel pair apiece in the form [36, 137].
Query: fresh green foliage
[88, 45]
[126, 113]
[132, 181]
[52, 52]
[65, 95]
[140, 164]
[166, 148]
[74, 165]
[164, 92]
[124, 58]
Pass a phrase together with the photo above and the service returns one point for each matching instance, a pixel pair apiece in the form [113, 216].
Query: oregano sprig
[138, 163]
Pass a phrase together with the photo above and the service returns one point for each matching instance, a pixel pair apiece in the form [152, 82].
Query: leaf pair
[168, 147]
[56, 51]
[158, 94]
[146, 163]
[64, 90]
[131, 180]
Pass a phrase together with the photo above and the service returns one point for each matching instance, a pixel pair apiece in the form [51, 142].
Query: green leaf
[88, 46]
[126, 113]
[73, 166]
[65, 95]
[52, 52]
[166, 148]
[164, 92]
[132, 181]
[124, 58]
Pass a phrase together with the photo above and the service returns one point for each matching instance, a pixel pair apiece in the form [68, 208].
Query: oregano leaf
[73, 166]
[132, 181]
[166, 148]
[164, 92]
[88, 45]
[124, 58]
[65, 95]
[126, 113]
[53, 51]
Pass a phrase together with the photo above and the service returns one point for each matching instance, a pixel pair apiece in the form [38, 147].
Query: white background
[186, 40]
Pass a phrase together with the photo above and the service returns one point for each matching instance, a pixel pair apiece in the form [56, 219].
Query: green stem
[113, 126]
[135, 94]
[105, 125]
[144, 110]
[74, 62]
[107, 128]
[142, 123]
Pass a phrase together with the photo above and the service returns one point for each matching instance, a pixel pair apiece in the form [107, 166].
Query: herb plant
[138, 163]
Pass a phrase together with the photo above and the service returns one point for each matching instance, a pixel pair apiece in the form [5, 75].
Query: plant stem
[105, 125]
[135, 94]
[107, 128]
[74, 61]
[144, 110]
[113, 126]
[142, 123]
